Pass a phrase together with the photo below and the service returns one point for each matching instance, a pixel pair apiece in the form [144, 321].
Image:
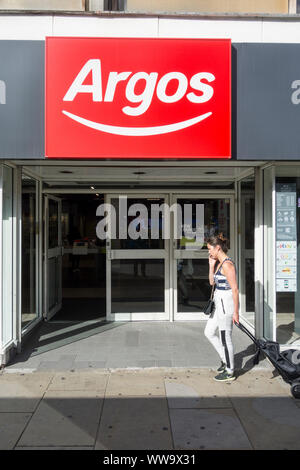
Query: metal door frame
[138, 254]
[171, 313]
[244, 254]
[203, 254]
[52, 253]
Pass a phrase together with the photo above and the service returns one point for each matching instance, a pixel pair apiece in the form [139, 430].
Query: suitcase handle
[247, 332]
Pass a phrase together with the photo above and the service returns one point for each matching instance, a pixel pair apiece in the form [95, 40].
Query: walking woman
[222, 273]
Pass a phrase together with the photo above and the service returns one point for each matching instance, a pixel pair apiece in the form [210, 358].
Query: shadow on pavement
[84, 419]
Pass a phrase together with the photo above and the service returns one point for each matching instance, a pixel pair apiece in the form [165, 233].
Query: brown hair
[220, 240]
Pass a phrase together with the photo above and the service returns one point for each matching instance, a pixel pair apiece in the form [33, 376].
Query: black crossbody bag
[210, 306]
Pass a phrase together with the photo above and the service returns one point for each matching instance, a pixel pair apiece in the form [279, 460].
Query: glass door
[197, 217]
[53, 257]
[138, 285]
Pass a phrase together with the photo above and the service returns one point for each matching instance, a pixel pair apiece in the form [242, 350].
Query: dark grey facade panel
[22, 99]
[266, 103]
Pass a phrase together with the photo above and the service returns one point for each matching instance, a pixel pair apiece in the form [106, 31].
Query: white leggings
[221, 320]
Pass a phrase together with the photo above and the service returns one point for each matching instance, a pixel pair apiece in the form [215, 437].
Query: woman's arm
[229, 272]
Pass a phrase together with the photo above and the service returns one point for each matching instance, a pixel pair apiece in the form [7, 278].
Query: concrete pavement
[148, 408]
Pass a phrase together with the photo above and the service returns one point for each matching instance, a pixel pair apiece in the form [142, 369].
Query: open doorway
[81, 269]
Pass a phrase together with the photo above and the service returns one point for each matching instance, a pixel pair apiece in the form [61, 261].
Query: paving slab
[22, 392]
[208, 429]
[118, 363]
[271, 422]
[55, 448]
[89, 365]
[66, 361]
[80, 380]
[11, 427]
[134, 423]
[23, 365]
[135, 384]
[257, 383]
[64, 418]
[195, 389]
[163, 363]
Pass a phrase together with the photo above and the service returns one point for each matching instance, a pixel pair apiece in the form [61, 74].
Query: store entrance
[158, 275]
[75, 259]
[143, 270]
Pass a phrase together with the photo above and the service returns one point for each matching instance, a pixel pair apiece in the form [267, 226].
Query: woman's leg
[226, 337]
[225, 327]
[213, 336]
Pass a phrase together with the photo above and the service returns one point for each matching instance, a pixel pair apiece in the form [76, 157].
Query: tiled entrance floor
[98, 344]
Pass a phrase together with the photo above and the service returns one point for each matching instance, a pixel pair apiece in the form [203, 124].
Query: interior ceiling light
[92, 187]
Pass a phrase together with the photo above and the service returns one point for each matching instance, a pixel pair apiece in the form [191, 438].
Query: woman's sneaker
[224, 377]
[222, 367]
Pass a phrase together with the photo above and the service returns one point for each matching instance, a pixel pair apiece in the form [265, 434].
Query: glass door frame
[39, 247]
[244, 254]
[9, 314]
[56, 252]
[124, 254]
[175, 254]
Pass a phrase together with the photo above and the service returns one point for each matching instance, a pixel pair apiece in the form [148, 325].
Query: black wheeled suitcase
[287, 362]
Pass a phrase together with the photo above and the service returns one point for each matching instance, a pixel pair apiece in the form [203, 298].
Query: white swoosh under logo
[138, 131]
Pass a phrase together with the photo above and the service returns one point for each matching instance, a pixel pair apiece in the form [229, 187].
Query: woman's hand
[235, 318]
[212, 261]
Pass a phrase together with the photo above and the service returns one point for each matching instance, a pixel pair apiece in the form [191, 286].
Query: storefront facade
[68, 148]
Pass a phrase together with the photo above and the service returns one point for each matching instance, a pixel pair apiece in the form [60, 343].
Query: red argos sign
[138, 98]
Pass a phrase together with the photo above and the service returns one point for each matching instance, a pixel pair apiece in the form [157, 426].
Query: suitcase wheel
[295, 389]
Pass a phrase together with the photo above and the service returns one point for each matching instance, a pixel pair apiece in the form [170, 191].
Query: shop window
[298, 6]
[282, 254]
[114, 5]
[287, 273]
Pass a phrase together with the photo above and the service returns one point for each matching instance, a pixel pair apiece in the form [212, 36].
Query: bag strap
[212, 291]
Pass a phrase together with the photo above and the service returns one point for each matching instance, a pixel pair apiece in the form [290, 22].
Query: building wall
[197, 6]
[210, 6]
[260, 30]
[66, 5]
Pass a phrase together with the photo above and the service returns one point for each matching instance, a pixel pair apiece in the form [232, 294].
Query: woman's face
[213, 250]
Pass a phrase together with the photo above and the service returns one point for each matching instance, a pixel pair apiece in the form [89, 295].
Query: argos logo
[134, 89]
[144, 98]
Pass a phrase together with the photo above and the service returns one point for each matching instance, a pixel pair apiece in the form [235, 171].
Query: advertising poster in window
[286, 238]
